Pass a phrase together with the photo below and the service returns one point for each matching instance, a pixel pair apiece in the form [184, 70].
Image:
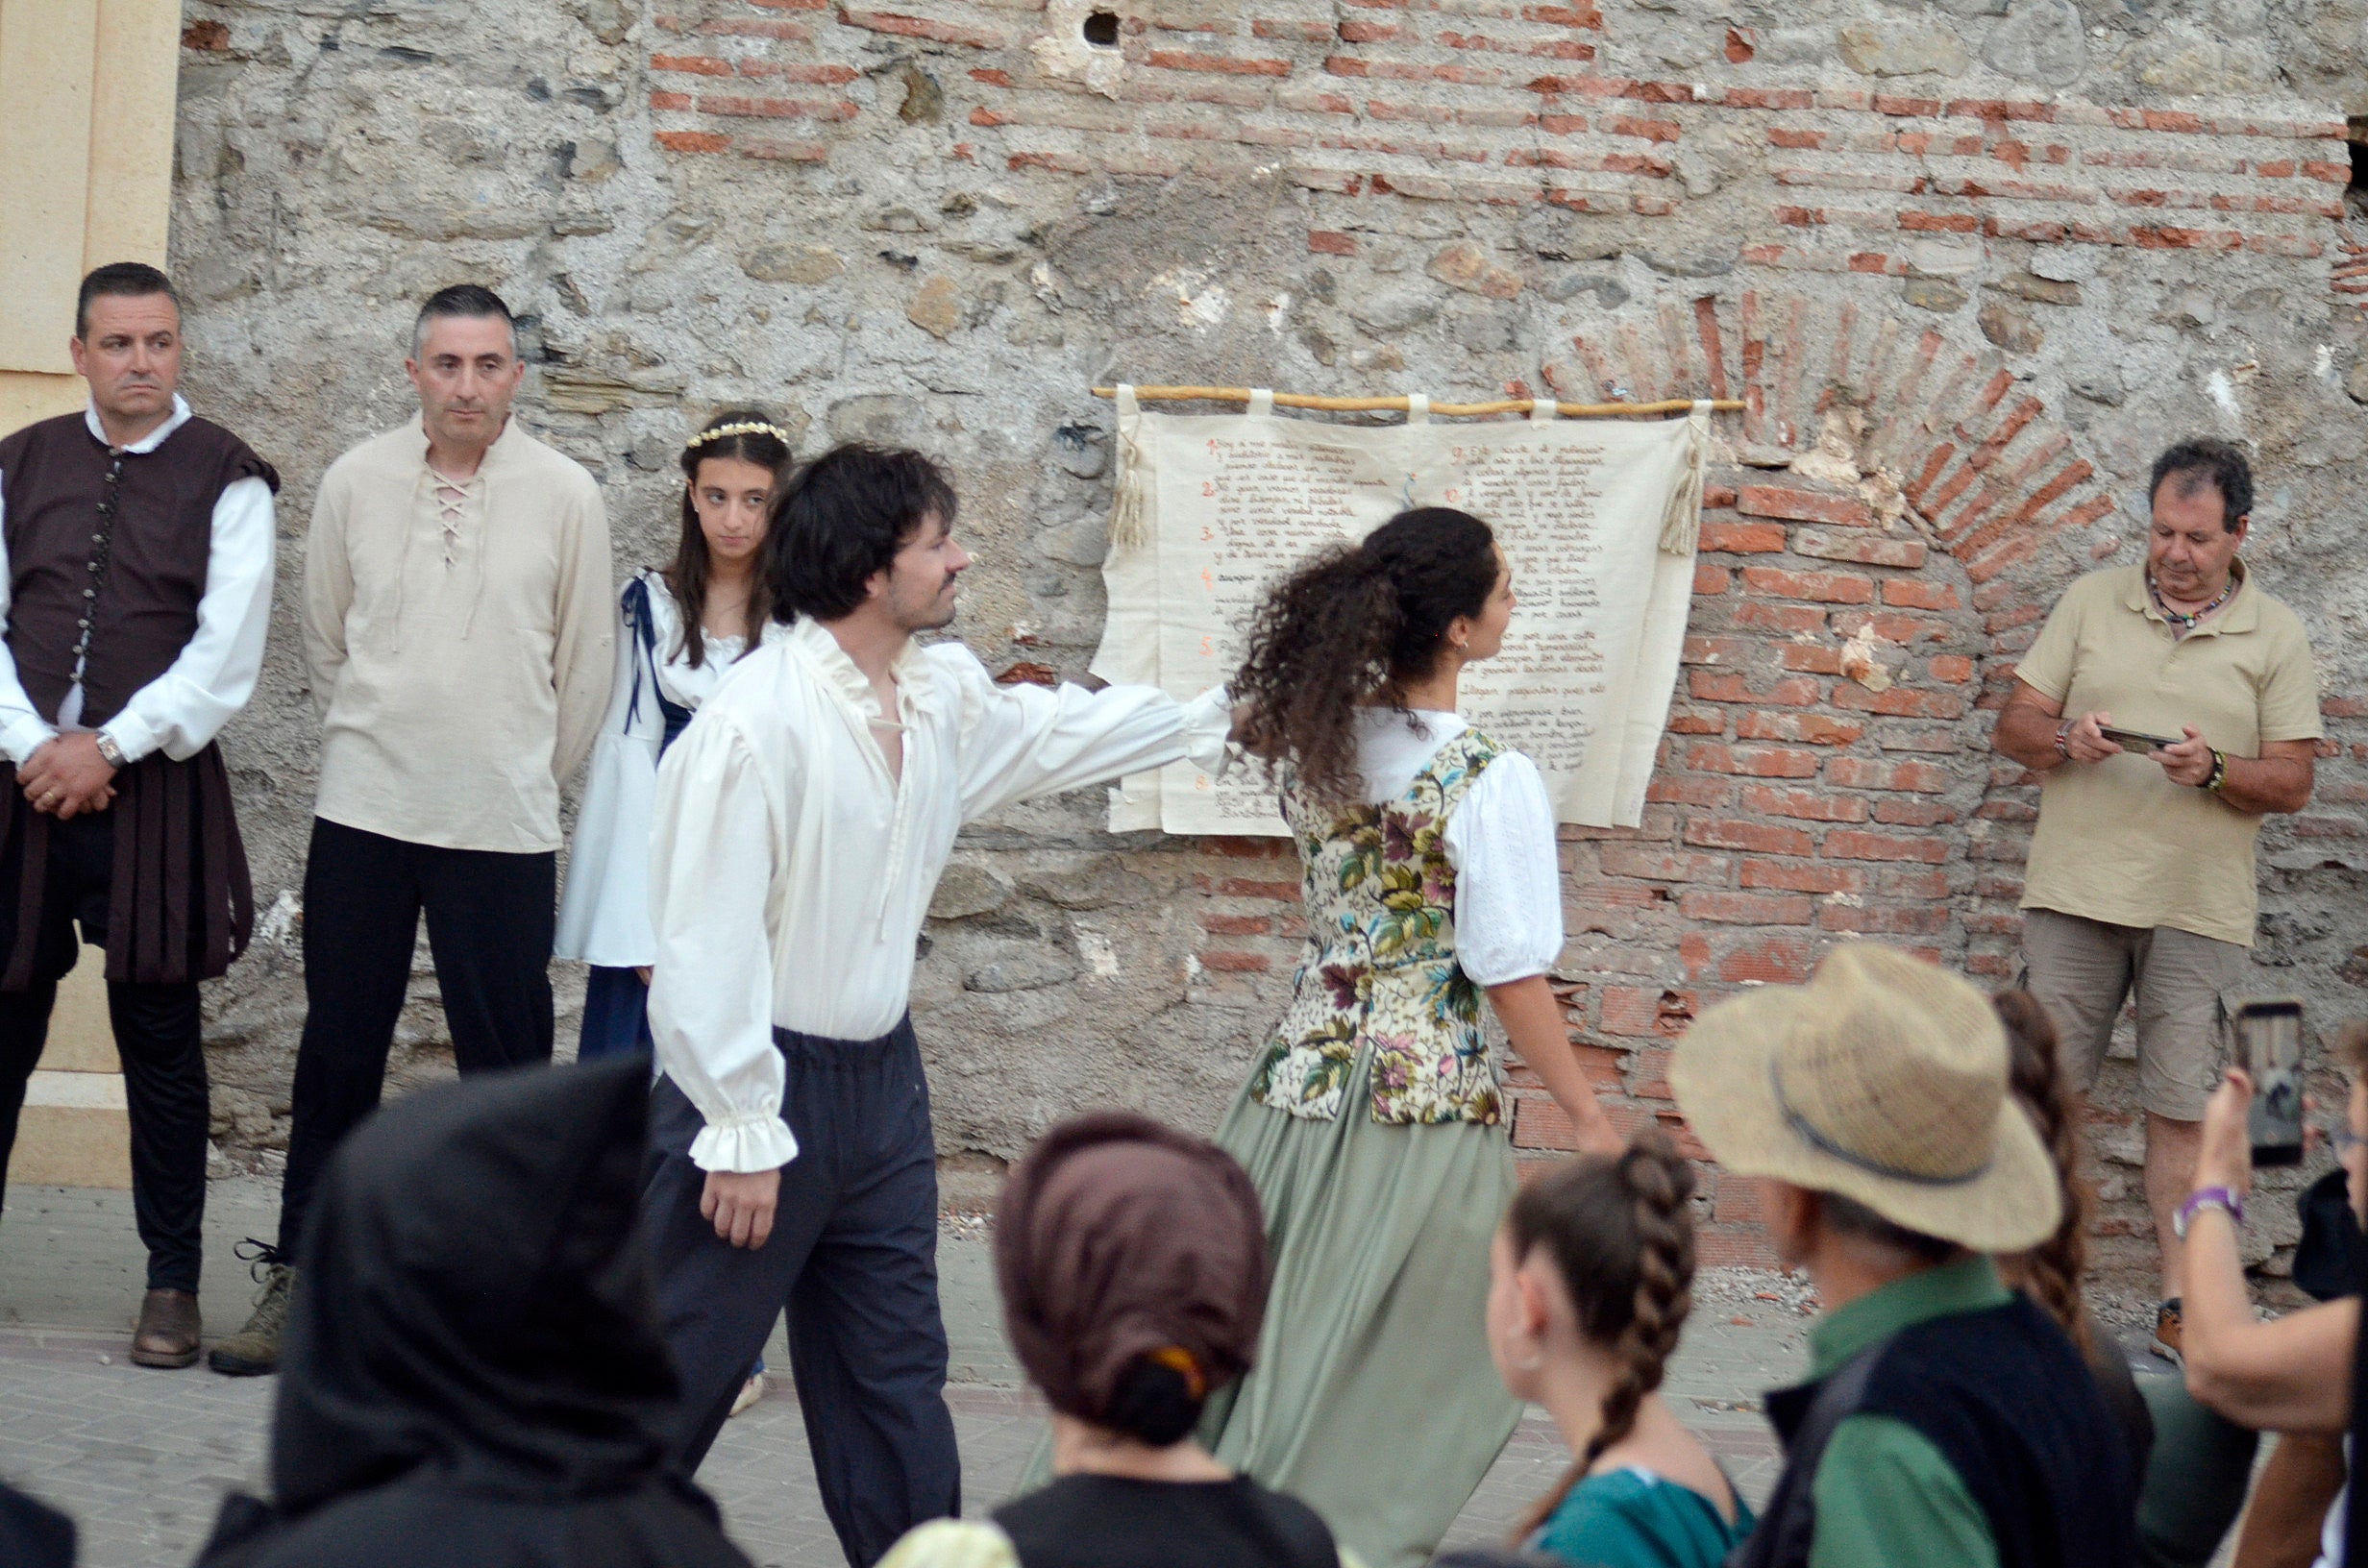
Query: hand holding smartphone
[2269, 1043]
[2138, 740]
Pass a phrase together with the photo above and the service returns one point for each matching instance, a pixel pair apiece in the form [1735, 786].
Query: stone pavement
[142, 1458]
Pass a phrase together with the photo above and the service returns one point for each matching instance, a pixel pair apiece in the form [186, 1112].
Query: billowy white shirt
[790, 874]
[604, 913]
[212, 676]
[1501, 839]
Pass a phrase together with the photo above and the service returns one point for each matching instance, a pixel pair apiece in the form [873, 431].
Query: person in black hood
[475, 1375]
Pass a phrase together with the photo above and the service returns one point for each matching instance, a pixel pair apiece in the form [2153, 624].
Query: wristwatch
[2063, 740]
[112, 753]
[2201, 1198]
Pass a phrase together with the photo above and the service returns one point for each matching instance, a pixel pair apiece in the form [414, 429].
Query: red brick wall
[1826, 772]
[1498, 104]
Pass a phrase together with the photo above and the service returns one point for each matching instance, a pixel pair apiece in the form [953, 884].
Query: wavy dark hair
[1356, 627]
[2052, 1271]
[1620, 1237]
[2192, 465]
[687, 574]
[843, 516]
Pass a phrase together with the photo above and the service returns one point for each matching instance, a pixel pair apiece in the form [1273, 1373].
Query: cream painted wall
[86, 100]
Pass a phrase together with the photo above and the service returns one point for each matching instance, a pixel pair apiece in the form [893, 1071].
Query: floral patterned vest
[1380, 966]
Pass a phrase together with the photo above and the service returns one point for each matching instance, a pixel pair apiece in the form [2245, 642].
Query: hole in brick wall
[1101, 29]
[2356, 131]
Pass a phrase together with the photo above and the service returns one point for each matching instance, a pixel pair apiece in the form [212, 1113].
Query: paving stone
[141, 1457]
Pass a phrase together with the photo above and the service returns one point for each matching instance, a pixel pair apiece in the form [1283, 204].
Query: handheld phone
[2137, 740]
[2269, 1042]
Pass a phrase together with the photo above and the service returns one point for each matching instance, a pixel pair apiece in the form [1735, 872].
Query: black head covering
[32, 1533]
[473, 1328]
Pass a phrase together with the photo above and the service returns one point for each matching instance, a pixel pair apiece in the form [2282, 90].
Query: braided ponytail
[2053, 1270]
[1620, 1235]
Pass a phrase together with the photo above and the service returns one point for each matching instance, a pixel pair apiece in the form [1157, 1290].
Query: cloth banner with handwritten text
[1598, 517]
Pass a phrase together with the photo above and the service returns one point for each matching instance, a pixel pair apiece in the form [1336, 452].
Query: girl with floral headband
[683, 625]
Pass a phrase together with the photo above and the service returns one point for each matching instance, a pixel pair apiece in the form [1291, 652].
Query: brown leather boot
[169, 1330]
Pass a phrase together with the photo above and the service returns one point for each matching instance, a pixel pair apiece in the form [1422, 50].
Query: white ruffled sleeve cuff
[754, 1143]
[1208, 723]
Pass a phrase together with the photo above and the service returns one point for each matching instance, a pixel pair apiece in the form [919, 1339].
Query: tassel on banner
[1681, 524]
[1130, 503]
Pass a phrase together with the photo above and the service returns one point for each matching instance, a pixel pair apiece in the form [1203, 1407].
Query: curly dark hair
[2052, 1271]
[1356, 626]
[1620, 1238]
[2194, 464]
[843, 516]
[686, 575]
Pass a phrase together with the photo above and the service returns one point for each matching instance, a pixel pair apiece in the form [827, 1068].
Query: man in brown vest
[136, 550]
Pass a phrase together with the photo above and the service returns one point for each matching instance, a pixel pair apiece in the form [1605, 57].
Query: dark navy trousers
[853, 1258]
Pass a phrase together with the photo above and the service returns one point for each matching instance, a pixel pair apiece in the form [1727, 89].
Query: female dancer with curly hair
[1374, 1123]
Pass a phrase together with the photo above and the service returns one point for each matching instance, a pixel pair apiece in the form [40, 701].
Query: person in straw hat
[1947, 1420]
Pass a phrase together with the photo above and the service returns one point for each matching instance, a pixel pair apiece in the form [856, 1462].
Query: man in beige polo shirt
[2141, 878]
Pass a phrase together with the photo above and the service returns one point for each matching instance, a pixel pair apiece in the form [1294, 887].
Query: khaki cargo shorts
[2186, 987]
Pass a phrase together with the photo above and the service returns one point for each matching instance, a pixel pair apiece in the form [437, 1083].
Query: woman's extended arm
[1533, 1022]
[2290, 1375]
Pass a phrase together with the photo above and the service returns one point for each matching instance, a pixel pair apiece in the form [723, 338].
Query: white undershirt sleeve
[22, 731]
[1501, 839]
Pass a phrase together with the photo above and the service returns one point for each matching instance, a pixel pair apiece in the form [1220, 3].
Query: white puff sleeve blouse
[1501, 839]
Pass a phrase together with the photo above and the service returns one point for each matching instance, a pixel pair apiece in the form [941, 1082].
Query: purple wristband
[2209, 1197]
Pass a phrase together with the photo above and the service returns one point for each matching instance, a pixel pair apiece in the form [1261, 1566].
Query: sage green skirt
[1373, 1399]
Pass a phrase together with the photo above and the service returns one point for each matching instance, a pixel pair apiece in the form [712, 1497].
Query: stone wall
[1970, 263]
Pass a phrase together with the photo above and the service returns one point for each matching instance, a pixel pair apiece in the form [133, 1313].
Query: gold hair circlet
[744, 427]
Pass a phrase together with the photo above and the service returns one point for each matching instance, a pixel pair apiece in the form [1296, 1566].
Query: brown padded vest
[61, 486]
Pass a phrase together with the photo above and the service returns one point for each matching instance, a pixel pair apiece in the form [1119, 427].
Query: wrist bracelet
[2218, 778]
[2222, 1198]
[2064, 732]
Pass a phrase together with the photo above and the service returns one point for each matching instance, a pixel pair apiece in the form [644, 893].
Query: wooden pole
[1449, 410]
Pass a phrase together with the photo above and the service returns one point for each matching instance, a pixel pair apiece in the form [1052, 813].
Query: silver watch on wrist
[111, 752]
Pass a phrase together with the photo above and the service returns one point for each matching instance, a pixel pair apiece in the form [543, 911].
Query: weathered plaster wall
[1971, 262]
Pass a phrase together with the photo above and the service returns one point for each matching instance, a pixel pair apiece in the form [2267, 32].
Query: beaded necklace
[2190, 621]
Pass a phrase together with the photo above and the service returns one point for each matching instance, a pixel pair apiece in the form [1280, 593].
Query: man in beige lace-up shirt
[458, 625]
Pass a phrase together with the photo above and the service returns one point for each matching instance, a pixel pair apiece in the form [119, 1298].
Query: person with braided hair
[1373, 1120]
[1590, 1281]
[2051, 1273]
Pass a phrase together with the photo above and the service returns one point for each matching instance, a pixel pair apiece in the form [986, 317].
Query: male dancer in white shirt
[803, 821]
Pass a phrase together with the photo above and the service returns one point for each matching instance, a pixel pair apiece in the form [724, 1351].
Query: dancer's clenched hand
[740, 1205]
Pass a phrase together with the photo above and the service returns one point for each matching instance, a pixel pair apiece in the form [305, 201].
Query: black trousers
[157, 1034]
[490, 918]
[852, 1257]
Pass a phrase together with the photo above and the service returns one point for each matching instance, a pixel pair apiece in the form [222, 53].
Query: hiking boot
[2165, 1342]
[255, 1349]
[169, 1330]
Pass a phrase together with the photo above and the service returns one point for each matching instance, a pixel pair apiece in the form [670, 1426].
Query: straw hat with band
[1884, 1079]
